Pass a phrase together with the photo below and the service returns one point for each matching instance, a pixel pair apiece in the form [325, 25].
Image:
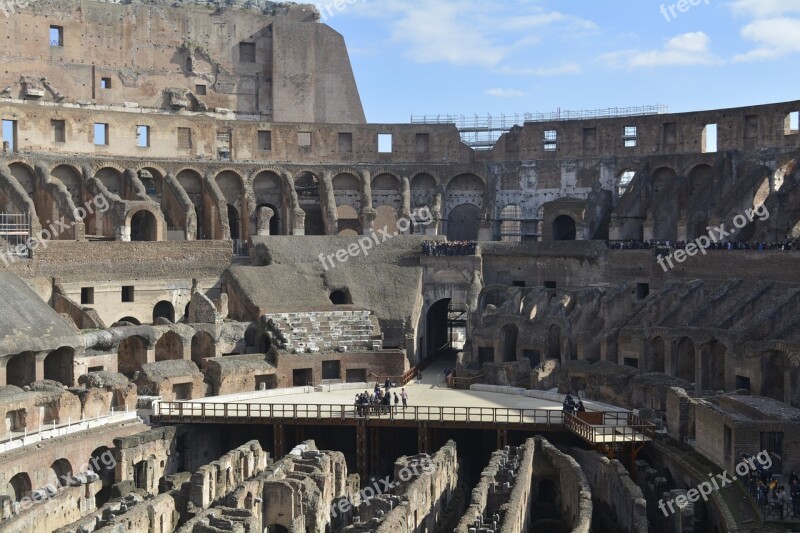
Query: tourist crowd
[442, 248]
[772, 497]
[380, 401]
[786, 244]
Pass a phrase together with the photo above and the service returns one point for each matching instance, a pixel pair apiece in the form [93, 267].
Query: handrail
[186, 411]
[454, 382]
[617, 427]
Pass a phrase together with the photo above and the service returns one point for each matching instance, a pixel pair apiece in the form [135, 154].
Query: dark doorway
[164, 309]
[331, 370]
[233, 223]
[564, 229]
[144, 227]
[302, 377]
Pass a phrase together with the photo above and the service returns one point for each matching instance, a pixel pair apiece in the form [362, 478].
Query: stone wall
[574, 498]
[613, 490]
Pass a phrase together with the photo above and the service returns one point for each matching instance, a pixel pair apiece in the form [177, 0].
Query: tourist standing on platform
[396, 402]
[419, 378]
[404, 396]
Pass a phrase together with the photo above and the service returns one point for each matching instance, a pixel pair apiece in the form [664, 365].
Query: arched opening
[131, 355]
[386, 219]
[463, 223]
[71, 179]
[275, 528]
[554, 342]
[164, 309]
[423, 195]
[564, 228]
[685, 360]
[655, 355]
[192, 183]
[664, 208]
[19, 486]
[508, 342]
[21, 369]
[348, 222]
[774, 365]
[60, 473]
[144, 227]
[387, 199]
[511, 224]
[169, 347]
[341, 297]
[203, 347]
[436, 330]
[103, 463]
[306, 185]
[129, 320]
[111, 178]
[233, 223]
[274, 222]
[713, 366]
[58, 365]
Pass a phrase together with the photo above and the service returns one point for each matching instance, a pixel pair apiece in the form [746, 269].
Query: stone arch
[112, 179]
[554, 342]
[655, 351]
[386, 219]
[231, 184]
[25, 175]
[131, 355]
[21, 369]
[348, 220]
[508, 342]
[387, 191]
[564, 228]
[205, 209]
[307, 187]
[685, 360]
[19, 486]
[664, 209]
[699, 175]
[463, 223]
[60, 472]
[203, 347]
[424, 187]
[268, 191]
[169, 347]
[130, 320]
[697, 225]
[712, 362]
[164, 309]
[144, 225]
[58, 365]
[102, 463]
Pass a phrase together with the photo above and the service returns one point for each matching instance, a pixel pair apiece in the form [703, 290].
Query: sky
[478, 57]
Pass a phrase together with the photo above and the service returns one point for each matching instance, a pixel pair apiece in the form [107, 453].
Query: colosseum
[216, 272]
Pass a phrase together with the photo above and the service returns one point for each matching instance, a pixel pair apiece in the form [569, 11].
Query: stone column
[265, 215]
[367, 214]
[405, 208]
[329, 212]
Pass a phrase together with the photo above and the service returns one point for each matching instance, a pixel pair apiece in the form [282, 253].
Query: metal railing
[189, 411]
[609, 427]
[465, 382]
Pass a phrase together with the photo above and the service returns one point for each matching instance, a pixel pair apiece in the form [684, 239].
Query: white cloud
[765, 8]
[569, 68]
[506, 93]
[774, 38]
[470, 32]
[687, 49]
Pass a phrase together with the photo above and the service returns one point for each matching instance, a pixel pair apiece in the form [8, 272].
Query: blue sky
[515, 56]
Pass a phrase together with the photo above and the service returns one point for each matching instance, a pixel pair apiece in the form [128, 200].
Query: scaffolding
[481, 132]
[15, 230]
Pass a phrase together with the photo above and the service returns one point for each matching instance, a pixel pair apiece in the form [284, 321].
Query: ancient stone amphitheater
[209, 256]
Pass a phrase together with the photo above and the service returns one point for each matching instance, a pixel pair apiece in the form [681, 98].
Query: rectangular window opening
[550, 285]
[56, 36]
[128, 294]
[670, 132]
[10, 134]
[792, 123]
[710, 139]
[632, 362]
[631, 134]
[185, 138]
[642, 290]
[385, 143]
[101, 134]
[345, 143]
[247, 52]
[423, 143]
[550, 140]
[105, 83]
[200, 90]
[143, 136]
[304, 139]
[59, 131]
[265, 140]
[87, 295]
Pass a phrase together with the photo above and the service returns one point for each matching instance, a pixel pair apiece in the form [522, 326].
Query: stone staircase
[326, 331]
